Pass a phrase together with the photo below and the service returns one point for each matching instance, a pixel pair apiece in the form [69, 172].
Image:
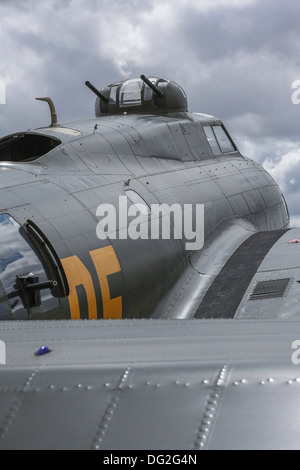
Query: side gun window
[17, 258]
[30, 273]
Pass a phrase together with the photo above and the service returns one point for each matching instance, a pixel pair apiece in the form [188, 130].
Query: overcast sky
[236, 59]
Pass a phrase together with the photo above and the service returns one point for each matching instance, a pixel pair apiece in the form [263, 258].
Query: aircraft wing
[150, 384]
[242, 275]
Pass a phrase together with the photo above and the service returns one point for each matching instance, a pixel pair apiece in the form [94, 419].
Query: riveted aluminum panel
[150, 385]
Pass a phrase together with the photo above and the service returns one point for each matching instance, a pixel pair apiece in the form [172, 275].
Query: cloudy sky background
[236, 59]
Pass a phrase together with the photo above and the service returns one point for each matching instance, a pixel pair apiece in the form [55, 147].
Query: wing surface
[198, 384]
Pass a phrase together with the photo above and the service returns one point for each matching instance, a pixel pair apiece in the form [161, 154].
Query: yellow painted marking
[77, 275]
[106, 263]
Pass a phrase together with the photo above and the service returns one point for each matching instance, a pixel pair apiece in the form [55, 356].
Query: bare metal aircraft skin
[226, 378]
[144, 146]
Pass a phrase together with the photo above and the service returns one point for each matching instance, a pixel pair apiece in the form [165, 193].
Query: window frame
[212, 126]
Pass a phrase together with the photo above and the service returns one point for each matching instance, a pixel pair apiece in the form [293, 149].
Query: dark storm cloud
[251, 56]
[269, 25]
[236, 59]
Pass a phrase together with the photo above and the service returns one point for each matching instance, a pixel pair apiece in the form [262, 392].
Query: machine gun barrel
[97, 92]
[152, 86]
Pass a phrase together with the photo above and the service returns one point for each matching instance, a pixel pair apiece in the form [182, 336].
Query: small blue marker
[43, 350]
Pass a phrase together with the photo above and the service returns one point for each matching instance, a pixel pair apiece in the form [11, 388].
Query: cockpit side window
[218, 139]
[212, 140]
[223, 140]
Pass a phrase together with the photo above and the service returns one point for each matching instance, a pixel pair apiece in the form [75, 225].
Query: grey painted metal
[165, 159]
[145, 384]
[150, 384]
[282, 262]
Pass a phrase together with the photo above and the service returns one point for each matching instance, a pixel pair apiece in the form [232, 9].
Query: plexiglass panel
[212, 140]
[130, 94]
[223, 139]
[17, 259]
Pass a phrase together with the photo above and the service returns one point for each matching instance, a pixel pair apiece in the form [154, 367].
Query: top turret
[140, 95]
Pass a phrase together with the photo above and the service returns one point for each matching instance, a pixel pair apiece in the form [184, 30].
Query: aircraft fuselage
[165, 159]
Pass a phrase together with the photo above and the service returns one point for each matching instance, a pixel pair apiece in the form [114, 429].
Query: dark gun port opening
[26, 147]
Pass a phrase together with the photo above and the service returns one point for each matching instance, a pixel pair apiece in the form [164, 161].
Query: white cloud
[295, 221]
[154, 35]
[236, 59]
[204, 6]
[286, 171]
